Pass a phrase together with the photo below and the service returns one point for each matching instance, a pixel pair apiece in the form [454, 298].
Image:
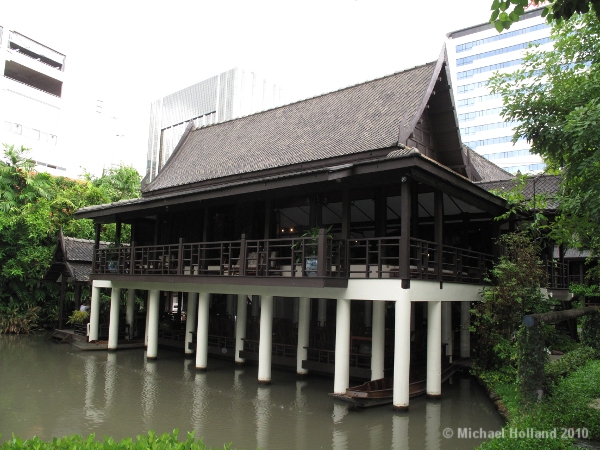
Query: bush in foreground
[153, 441]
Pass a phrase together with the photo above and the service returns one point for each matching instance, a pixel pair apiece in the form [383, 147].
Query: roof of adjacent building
[546, 185]
[72, 258]
[487, 170]
[373, 115]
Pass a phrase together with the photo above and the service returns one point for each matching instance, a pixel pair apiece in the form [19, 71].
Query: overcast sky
[129, 53]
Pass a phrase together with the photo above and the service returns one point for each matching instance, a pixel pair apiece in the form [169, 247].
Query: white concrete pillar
[202, 331]
[94, 314]
[240, 327]
[378, 340]
[153, 303]
[322, 312]
[113, 324]
[447, 328]
[368, 313]
[434, 349]
[303, 333]
[465, 333]
[265, 346]
[402, 355]
[341, 378]
[130, 310]
[190, 320]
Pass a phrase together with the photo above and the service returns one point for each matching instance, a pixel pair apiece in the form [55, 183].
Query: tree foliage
[33, 208]
[517, 278]
[555, 99]
[507, 12]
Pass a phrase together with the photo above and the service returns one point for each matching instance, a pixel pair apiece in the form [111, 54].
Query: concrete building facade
[31, 90]
[225, 96]
[474, 55]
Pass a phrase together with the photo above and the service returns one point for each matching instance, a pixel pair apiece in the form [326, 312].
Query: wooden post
[180, 257]
[242, 260]
[438, 207]
[132, 258]
[118, 233]
[322, 253]
[405, 212]
[346, 214]
[61, 306]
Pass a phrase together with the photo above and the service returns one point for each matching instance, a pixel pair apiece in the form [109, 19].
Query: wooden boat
[381, 391]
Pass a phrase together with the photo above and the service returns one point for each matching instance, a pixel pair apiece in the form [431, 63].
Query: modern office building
[31, 99]
[475, 54]
[226, 96]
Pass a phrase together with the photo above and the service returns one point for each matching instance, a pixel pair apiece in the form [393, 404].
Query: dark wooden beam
[405, 214]
[346, 220]
[438, 207]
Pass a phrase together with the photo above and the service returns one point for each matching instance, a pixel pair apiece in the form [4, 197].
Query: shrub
[79, 317]
[165, 441]
[590, 331]
[568, 363]
[17, 318]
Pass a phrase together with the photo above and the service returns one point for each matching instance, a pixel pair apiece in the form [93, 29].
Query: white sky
[129, 53]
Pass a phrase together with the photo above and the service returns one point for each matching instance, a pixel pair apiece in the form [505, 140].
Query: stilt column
[94, 314]
[190, 320]
[402, 355]
[465, 333]
[113, 325]
[240, 327]
[378, 340]
[202, 332]
[265, 346]
[303, 333]
[153, 303]
[434, 349]
[342, 347]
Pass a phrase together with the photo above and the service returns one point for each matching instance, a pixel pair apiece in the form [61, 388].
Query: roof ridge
[372, 80]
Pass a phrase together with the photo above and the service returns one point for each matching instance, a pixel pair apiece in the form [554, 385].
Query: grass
[567, 410]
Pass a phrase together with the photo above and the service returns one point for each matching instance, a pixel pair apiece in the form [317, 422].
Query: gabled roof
[485, 169]
[72, 258]
[375, 115]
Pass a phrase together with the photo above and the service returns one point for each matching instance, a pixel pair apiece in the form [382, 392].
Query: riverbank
[568, 417]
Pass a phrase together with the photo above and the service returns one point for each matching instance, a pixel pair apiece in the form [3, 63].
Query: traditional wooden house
[71, 265]
[363, 196]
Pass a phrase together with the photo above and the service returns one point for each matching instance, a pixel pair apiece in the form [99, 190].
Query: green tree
[33, 208]
[507, 12]
[555, 99]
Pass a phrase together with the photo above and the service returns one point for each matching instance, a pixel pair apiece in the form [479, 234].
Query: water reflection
[200, 405]
[149, 389]
[52, 390]
[400, 431]
[262, 407]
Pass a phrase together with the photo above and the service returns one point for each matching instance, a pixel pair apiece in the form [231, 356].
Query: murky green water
[49, 390]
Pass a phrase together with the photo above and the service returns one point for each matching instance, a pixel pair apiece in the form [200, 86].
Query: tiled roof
[547, 185]
[80, 249]
[487, 170]
[368, 116]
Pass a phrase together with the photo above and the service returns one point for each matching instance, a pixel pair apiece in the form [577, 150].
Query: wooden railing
[357, 360]
[280, 350]
[320, 256]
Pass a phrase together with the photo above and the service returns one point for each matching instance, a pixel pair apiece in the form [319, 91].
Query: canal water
[50, 390]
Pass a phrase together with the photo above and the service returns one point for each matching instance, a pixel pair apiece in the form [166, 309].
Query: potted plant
[79, 320]
[309, 247]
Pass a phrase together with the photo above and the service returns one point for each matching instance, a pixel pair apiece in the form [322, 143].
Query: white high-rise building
[31, 89]
[226, 96]
[475, 54]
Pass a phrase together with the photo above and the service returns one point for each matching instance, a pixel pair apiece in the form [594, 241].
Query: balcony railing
[320, 256]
